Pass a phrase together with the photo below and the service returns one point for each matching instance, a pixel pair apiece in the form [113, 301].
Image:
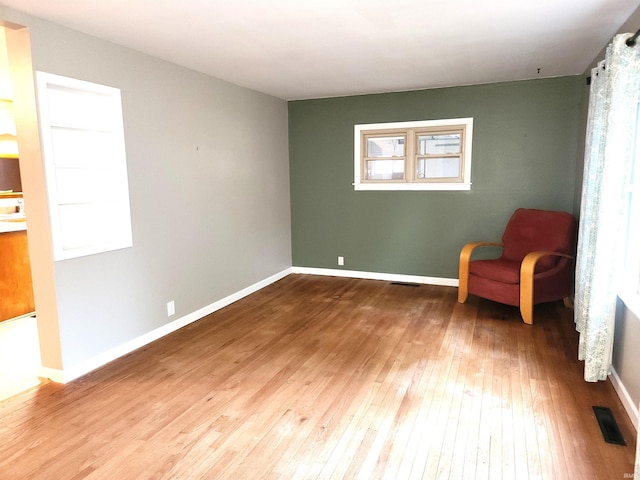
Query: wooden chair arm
[463, 272]
[527, 271]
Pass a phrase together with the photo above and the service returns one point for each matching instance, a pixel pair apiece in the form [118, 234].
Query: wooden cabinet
[16, 291]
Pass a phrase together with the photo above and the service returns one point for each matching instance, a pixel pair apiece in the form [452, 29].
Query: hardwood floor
[320, 377]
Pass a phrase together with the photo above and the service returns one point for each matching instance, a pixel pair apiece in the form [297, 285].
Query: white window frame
[360, 184]
[85, 166]
[629, 290]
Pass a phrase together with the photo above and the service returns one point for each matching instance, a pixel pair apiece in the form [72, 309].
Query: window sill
[412, 186]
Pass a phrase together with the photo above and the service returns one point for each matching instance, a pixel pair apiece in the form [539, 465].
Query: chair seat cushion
[499, 269]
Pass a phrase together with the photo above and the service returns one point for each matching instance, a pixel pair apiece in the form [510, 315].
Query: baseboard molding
[52, 374]
[628, 404]
[69, 374]
[77, 371]
[391, 277]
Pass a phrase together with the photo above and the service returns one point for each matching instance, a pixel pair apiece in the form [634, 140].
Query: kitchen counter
[12, 222]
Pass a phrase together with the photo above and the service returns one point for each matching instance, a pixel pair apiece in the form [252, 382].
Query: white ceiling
[296, 49]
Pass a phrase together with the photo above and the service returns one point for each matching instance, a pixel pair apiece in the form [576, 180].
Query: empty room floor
[324, 377]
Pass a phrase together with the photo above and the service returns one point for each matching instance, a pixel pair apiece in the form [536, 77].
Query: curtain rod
[631, 41]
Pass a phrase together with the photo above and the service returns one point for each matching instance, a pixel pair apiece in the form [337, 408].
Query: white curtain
[613, 110]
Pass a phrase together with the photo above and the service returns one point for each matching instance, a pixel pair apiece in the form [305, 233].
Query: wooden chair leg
[527, 270]
[463, 269]
[463, 278]
[463, 287]
[526, 310]
[526, 287]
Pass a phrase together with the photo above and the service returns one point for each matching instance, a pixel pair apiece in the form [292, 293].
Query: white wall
[209, 189]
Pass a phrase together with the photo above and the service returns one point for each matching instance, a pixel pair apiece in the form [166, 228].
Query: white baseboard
[625, 398]
[391, 277]
[69, 374]
[53, 374]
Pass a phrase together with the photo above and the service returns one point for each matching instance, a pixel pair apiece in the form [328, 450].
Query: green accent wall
[525, 154]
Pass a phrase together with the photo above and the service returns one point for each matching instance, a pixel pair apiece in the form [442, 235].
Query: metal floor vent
[406, 284]
[610, 430]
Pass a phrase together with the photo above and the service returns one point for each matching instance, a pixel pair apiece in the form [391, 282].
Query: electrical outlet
[341, 261]
[171, 308]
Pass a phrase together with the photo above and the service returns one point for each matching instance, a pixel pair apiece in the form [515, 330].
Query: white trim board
[628, 404]
[67, 375]
[391, 277]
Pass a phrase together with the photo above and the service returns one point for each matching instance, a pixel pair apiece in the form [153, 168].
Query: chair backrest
[529, 230]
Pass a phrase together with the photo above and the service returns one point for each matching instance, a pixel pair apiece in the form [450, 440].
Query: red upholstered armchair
[536, 264]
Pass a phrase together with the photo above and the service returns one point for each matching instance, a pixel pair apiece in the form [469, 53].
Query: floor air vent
[608, 426]
[406, 284]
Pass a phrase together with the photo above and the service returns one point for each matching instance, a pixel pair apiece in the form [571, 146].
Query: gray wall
[209, 188]
[626, 348]
[525, 145]
[625, 351]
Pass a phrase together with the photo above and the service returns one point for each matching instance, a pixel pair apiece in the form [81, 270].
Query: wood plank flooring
[330, 378]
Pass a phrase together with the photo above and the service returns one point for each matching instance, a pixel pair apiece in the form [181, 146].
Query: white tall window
[85, 166]
[630, 288]
[424, 155]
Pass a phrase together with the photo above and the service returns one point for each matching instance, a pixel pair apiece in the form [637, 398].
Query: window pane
[633, 228]
[385, 146]
[448, 167]
[385, 169]
[438, 144]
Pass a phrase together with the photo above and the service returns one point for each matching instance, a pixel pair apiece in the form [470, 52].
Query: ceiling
[295, 49]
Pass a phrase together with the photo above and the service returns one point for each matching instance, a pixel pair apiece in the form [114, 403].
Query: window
[425, 155]
[85, 166]
[630, 291]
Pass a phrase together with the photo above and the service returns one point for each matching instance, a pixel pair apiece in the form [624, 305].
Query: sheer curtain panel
[609, 152]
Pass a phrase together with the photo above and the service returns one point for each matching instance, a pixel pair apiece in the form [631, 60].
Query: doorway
[20, 361]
